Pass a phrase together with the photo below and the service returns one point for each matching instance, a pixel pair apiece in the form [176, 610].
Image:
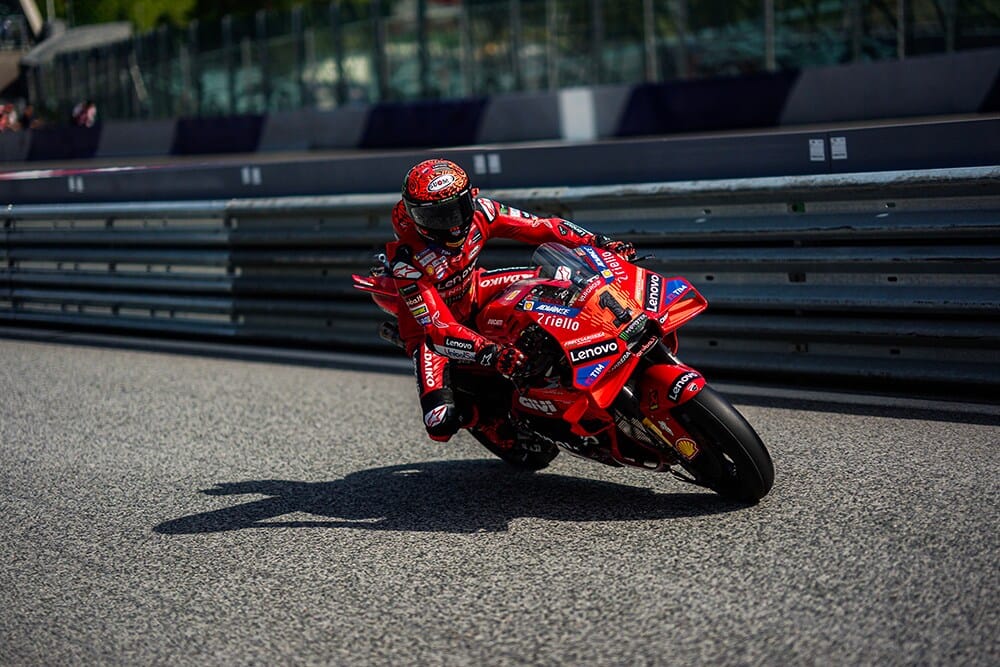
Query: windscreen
[562, 263]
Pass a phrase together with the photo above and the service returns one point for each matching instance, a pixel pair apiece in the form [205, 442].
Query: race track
[169, 509]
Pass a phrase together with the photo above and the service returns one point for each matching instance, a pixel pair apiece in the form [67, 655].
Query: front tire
[732, 460]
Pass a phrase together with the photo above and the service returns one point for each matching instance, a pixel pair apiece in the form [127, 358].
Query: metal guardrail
[864, 278]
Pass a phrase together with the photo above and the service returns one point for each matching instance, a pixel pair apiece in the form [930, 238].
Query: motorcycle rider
[441, 224]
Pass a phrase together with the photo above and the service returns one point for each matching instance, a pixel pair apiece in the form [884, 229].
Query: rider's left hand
[621, 248]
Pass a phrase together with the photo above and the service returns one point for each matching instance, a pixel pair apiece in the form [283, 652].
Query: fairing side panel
[665, 386]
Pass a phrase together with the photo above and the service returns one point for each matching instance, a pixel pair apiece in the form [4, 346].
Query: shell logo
[686, 447]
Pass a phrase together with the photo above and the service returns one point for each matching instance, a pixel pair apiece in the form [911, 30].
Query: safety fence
[861, 278]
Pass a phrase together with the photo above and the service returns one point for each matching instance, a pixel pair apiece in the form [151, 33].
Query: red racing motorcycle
[603, 381]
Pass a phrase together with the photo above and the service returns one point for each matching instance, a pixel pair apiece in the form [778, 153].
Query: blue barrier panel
[310, 130]
[64, 143]
[955, 144]
[519, 117]
[229, 134]
[424, 124]
[755, 100]
[926, 86]
[991, 103]
[132, 138]
[14, 146]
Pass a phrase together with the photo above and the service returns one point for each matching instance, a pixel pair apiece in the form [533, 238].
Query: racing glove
[506, 360]
[622, 248]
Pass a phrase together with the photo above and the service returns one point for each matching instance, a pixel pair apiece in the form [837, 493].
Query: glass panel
[281, 59]
[445, 36]
[811, 32]
[727, 37]
[482, 47]
[878, 30]
[359, 65]
[490, 49]
[401, 56]
[977, 24]
[534, 45]
[572, 35]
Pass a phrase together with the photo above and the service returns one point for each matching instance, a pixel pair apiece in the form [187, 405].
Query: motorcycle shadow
[441, 496]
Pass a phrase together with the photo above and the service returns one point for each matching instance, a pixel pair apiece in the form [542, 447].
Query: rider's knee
[442, 422]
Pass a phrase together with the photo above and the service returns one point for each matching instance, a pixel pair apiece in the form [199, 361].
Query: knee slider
[442, 422]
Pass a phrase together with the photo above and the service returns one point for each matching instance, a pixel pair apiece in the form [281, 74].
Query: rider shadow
[440, 496]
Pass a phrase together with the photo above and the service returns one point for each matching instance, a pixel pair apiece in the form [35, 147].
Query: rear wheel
[732, 460]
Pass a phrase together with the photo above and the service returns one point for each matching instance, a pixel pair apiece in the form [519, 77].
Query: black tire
[732, 460]
[520, 456]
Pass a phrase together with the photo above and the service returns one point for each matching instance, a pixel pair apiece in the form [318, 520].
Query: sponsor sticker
[503, 279]
[678, 387]
[588, 375]
[686, 447]
[674, 289]
[427, 368]
[604, 348]
[456, 279]
[616, 267]
[626, 355]
[653, 294]
[585, 339]
[545, 407]
[405, 271]
[531, 305]
[580, 231]
[632, 330]
[440, 183]
[598, 263]
[488, 207]
[436, 416]
[458, 343]
[419, 310]
[559, 322]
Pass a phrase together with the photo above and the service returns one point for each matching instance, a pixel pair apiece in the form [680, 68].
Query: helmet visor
[446, 214]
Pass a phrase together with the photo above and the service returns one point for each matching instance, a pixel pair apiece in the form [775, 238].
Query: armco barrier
[927, 145]
[862, 278]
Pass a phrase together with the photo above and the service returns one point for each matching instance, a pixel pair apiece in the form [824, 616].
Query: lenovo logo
[654, 292]
[595, 351]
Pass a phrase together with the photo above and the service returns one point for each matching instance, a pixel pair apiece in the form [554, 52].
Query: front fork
[649, 400]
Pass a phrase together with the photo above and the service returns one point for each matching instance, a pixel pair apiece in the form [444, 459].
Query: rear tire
[732, 460]
[518, 455]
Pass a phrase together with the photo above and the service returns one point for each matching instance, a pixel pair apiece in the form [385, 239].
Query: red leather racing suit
[442, 290]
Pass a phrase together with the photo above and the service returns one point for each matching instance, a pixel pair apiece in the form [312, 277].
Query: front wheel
[732, 460]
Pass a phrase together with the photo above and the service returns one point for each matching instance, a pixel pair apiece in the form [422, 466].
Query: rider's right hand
[506, 360]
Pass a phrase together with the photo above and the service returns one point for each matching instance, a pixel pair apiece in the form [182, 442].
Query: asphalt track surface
[171, 509]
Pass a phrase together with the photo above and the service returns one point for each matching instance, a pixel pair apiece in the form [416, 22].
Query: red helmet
[437, 195]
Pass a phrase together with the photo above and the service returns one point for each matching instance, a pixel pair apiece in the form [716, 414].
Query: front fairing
[585, 299]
